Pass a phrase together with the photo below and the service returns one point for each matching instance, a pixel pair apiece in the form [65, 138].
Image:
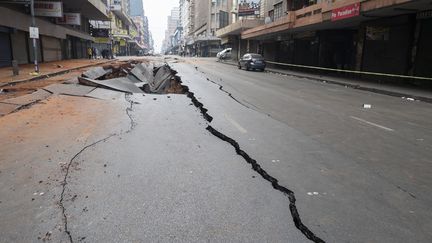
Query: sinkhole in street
[135, 77]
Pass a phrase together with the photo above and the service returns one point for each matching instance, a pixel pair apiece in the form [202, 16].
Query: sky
[157, 12]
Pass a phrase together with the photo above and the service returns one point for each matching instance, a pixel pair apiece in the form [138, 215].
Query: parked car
[252, 61]
[224, 54]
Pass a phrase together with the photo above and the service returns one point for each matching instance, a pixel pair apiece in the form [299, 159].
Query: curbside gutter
[345, 84]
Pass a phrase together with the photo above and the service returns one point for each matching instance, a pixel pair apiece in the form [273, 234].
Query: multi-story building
[138, 15]
[208, 17]
[173, 22]
[364, 35]
[64, 29]
[246, 14]
[136, 8]
[121, 27]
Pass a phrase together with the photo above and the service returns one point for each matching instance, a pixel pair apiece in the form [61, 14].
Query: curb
[353, 86]
[48, 75]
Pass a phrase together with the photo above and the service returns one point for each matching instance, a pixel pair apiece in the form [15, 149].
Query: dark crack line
[128, 113]
[257, 168]
[228, 93]
[64, 183]
[221, 88]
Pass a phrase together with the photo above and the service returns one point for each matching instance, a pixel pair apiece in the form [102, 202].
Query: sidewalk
[355, 83]
[47, 69]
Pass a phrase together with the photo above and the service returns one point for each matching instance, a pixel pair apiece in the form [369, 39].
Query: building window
[278, 11]
[271, 14]
[223, 19]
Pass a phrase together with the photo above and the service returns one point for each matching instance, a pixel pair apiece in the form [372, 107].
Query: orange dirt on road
[24, 88]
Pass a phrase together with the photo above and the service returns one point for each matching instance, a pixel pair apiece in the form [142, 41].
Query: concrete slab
[133, 78]
[7, 108]
[143, 72]
[105, 94]
[29, 98]
[119, 84]
[161, 79]
[96, 72]
[69, 89]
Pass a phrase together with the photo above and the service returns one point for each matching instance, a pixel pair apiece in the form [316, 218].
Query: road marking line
[372, 124]
[240, 128]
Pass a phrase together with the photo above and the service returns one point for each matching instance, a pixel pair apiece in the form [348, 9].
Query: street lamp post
[33, 23]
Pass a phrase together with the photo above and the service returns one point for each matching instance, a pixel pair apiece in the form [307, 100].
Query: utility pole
[35, 51]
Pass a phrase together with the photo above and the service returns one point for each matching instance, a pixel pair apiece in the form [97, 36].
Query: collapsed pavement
[135, 78]
[129, 77]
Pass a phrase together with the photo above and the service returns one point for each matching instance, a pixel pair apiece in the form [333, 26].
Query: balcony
[117, 9]
[239, 26]
[278, 25]
[309, 15]
[92, 9]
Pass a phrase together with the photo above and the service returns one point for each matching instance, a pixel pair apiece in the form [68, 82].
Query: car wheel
[262, 70]
[247, 68]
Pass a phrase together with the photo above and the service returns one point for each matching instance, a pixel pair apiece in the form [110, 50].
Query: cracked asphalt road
[147, 168]
[355, 181]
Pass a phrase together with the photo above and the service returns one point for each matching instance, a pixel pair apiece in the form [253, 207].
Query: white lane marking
[372, 124]
[240, 128]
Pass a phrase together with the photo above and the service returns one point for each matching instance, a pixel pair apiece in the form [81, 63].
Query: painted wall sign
[345, 12]
[249, 7]
[70, 19]
[48, 9]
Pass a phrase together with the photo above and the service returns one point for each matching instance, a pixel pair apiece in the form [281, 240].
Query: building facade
[205, 18]
[64, 29]
[366, 35]
[246, 14]
[173, 22]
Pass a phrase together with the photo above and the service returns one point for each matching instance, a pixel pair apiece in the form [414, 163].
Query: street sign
[345, 12]
[34, 32]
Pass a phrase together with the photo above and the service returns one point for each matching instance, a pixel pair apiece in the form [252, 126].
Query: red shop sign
[346, 12]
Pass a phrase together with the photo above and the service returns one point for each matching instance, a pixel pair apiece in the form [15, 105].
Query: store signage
[102, 40]
[100, 33]
[48, 9]
[70, 19]
[34, 32]
[249, 7]
[425, 15]
[345, 12]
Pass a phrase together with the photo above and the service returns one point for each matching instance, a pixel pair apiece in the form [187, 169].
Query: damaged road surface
[124, 167]
[173, 152]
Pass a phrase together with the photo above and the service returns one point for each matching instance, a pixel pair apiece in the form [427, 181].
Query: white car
[225, 54]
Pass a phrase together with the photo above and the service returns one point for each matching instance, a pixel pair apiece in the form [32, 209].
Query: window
[278, 11]
[223, 19]
[271, 14]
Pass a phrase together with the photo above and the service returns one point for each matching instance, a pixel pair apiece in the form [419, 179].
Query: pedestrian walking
[94, 53]
[89, 53]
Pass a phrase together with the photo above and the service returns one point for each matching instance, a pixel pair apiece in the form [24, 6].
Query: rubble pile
[134, 77]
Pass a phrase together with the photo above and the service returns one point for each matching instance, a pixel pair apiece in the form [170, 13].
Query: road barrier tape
[352, 71]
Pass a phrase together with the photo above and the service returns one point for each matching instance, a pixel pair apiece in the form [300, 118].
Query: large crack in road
[221, 88]
[204, 112]
[64, 183]
[255, 165]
